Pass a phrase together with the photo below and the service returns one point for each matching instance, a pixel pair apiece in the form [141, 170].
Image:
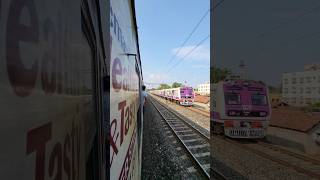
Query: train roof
[136, 32]
[178, 88]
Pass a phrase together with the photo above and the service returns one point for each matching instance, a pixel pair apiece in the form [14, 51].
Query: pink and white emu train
[240, 108]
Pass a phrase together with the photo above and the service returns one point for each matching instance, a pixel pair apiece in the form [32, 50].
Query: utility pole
[243, 70]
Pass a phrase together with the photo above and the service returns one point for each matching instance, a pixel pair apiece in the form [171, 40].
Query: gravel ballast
[162, 155]
[197, 118]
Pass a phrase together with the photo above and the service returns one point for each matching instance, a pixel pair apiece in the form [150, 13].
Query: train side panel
[125, 132]
[181, 95]
[175, 94]
[218, 103]
[48, 123]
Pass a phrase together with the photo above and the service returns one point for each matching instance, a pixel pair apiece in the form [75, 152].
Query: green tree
[218, 74]
[317, 104]
[163, 86]
[315, 107]
[176, 84]
[273, 89]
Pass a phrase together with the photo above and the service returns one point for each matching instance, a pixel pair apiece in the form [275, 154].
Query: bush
[312, 107]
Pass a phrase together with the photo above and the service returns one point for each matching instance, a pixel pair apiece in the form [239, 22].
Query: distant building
[204, 89]
[302, 88]
[312, 67]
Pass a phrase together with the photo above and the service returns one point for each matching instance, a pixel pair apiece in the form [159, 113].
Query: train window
[259, 100]
[234, 88]
[93, 158]
[232, 98]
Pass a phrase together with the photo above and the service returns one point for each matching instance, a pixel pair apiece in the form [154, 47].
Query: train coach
[181, 95]
[70, 78]
[240, 108]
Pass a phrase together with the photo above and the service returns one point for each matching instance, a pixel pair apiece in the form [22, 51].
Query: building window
[285, 91]
[308, 100]
[301, 90]
[308, 90]
[294, 90]
[294, 80]
[285, 81]
[308, 79]
[301, 80]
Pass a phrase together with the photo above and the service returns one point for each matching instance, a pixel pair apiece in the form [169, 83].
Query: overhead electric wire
[189, 36]
[280, 25]
[193, 30]
[302, 37]
[188, 53]
[216, 5]
[303, 13]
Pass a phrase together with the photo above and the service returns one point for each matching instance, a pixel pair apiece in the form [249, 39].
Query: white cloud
[202, 52]
[155, 78]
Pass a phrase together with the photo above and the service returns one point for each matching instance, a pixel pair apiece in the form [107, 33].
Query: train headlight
[263, 114]
[232, 113]
[228, 123]
[256, 125]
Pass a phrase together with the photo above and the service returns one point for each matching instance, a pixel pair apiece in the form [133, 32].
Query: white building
[302, 88]
[204, 89]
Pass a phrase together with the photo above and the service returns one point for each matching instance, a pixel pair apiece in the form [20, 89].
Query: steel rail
[178, 118]
[270, 157]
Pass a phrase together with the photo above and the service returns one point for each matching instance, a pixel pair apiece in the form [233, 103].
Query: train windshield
[186, 92]
[232, 98]
[259, 100]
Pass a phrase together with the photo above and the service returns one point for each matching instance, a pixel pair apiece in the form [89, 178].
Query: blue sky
[162, 27]
[272, 37]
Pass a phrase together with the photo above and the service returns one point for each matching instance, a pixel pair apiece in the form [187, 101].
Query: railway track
[196, 143]
[300, 163]
[200, 111]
